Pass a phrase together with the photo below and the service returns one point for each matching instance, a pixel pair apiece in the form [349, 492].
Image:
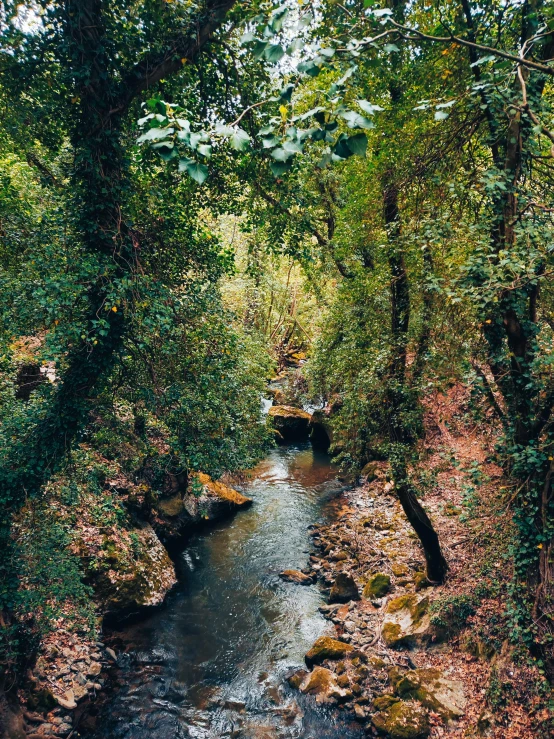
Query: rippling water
[212, 662]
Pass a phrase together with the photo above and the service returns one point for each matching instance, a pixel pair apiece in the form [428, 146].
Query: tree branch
[182, 49]
[451, 39]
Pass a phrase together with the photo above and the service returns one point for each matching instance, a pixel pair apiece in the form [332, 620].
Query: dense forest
[345, 208]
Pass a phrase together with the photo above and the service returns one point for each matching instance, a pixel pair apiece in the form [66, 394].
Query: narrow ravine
[213, 661]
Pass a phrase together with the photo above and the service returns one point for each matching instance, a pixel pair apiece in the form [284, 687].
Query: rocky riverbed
[379, 600]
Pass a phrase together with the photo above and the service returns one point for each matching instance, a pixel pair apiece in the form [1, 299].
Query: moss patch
[377, 586]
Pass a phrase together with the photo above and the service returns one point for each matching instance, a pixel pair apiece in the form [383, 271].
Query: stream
[213, 661]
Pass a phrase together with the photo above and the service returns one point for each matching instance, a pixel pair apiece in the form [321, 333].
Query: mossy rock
[322, 683]
[377, 586]
[327, 648]
[432, 690]
[421, 581]
[402, 720]
[296, 679]
[407, 621]
[382, 702]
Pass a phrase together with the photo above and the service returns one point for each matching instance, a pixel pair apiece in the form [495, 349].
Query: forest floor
[486, 686]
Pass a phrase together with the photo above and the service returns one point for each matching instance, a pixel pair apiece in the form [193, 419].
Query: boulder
[207, 501]
[291, 423]
[344, 589]
[300, 578]
[322, 683]
[402, 720]
[327, 648]
[407, 622]
[432, 690]
[137, 571]
[377, 586]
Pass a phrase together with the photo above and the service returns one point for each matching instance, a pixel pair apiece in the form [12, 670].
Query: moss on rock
[327, 648]
[377, 586]
[407, 621]
[402, 720]
[432, 690]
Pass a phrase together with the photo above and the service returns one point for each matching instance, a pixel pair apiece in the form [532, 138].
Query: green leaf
[308, 68]
[296, 45]
[198, 172]
[286, 92]
[368, 107]
[246, 38]
[390, 48]
[281, 155]
[259, 48]
[355, 120]
[205, 150]
[341, 148]
[155, 134]
[223, 130]
[357, 144]
[274, 53]
[293, 147]
[266, 130]
[279, 168]
[240, 140]
[270, 142]
[441, 115]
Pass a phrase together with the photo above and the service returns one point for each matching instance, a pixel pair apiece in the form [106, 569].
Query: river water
[212, 662]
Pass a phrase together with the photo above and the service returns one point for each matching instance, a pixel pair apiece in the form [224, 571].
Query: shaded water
[212, 663]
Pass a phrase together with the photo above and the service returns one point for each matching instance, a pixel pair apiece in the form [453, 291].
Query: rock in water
[407, 622]
[297, 577]
[327, 648]
[344, 589]
[291, 423]
[402, 720]
[323, 684]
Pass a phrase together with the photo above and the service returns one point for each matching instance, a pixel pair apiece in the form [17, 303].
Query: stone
[67, 700]
[327, 648]
[111, 654]
[95, 668]
[296, 679]
[435, 692]
[407, 622]
[321, 682]
[377, 586]
[138, 576]
[402, 720]
[421, 581]
[79, 691]
[292, 423]
[359, 712]
[344, 589]
[297, 577]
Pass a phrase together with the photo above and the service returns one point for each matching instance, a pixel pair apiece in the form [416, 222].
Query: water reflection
[212, 663]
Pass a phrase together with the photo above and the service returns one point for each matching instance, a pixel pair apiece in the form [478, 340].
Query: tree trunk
[400, 394]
